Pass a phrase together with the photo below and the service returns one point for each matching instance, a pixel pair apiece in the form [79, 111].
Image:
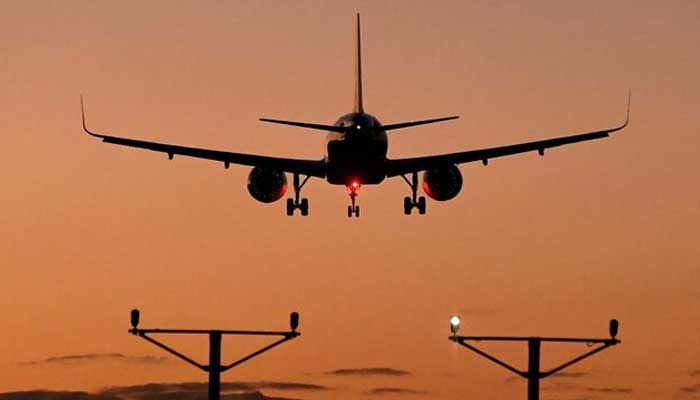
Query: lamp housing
[294, 321]
[135, 317]
[614, 328]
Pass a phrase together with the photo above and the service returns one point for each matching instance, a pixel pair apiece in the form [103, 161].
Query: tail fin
[358, 72]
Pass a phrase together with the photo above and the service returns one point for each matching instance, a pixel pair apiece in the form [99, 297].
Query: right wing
[303, 167]
[408, 165]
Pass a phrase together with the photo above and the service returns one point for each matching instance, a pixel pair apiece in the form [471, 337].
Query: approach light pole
[214, 368]
[534, 344]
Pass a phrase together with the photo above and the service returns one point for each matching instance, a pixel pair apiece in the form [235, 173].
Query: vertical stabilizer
[358, 72]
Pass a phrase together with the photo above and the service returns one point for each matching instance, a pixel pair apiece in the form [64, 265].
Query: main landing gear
[413, 202]
[353, 209]
[295, 203]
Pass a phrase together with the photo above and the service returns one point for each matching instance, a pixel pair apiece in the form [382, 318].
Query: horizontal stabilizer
[402, 125]
[320, 127]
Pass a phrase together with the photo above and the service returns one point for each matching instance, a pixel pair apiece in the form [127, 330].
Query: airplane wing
[316, 168]
[409, 165]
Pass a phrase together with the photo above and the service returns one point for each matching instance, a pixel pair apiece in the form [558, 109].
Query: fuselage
[359, 154]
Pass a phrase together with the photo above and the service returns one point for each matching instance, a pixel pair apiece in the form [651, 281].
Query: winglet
[82, 113]
[629, 104]
[627, 117]
[358, 108]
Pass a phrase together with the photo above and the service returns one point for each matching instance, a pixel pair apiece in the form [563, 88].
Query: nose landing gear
[353, 209]
[409, 203]
[296, 203]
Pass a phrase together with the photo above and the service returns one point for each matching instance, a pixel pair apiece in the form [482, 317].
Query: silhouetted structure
[533, 373]
[214, 368]
[356, 154]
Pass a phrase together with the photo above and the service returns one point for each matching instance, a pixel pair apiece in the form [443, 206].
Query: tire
[349, 211]
[290, 207]
[421, 205]
[357, 211]
[407, 206]
[304, 207]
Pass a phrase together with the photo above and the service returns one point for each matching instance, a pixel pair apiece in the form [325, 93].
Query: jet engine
[267, 185]
[442, 183]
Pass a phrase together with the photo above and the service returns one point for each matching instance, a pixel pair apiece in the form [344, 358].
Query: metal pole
[214, 365]
[533, 370]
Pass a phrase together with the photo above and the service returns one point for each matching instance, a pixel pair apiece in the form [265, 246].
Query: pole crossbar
[136, 331]
[527, 338]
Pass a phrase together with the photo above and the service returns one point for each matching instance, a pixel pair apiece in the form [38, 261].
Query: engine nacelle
[442, 183]
[267, 185]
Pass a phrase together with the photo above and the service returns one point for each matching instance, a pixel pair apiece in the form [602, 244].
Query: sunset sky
[552, 246]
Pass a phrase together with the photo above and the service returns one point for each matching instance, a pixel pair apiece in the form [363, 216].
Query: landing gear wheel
[353, 210]
[407, 205]
[293, 204]
[409, 202]
[421, 205]
[304, 207]
[290, 207]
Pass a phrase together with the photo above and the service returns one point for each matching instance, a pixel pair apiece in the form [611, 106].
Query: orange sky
[532, 246]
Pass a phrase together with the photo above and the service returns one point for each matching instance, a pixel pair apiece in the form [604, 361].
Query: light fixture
[614, 327]
[294, 321]
[135, 315]
[454, 324]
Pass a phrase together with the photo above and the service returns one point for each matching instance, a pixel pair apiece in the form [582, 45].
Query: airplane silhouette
[356, 155]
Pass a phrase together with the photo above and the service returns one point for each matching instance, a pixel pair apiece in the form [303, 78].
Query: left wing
[409, 165]
[304, 167]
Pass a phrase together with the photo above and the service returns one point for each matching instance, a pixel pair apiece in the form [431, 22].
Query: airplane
[356, 155]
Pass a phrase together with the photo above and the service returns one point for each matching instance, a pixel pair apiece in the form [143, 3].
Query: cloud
[66, 395]
[393, 390]
[368, 372]
[170, 391]
[571, 375]
[53, 395]
[247, 396]
[97, 357]
[609, 390]
[165, 391]
[289, 386]
[690, 389]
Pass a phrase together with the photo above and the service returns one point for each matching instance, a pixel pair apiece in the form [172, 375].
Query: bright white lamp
[454, 324]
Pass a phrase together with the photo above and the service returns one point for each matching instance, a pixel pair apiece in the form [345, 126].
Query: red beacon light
[354, 185]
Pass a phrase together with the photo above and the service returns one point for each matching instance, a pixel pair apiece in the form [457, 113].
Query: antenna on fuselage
[358, 72]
